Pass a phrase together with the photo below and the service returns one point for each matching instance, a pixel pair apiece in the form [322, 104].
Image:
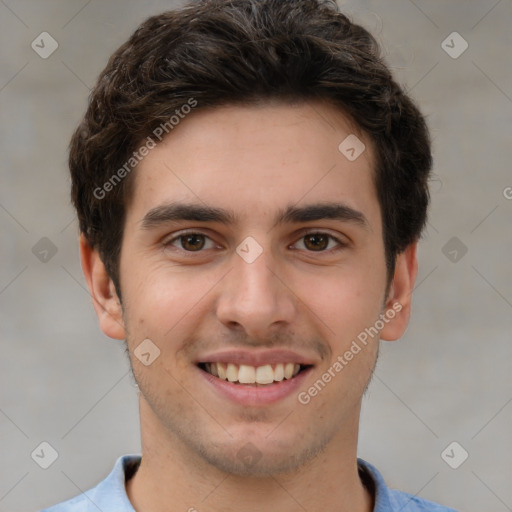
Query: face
[253, 250]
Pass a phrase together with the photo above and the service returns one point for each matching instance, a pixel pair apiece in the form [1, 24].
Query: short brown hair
[221, 52]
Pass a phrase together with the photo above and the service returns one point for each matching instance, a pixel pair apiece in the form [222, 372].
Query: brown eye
[193, 242]
[190, 242]
[319, 242]
[316, 241]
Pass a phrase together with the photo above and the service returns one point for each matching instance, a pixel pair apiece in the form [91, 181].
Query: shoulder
[405, 501]
[109, 494]
[78, 503]
[390, 500]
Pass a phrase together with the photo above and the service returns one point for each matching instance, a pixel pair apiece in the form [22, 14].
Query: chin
[258, 457]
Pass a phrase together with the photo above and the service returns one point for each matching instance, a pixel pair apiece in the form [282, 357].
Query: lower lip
[249, 395]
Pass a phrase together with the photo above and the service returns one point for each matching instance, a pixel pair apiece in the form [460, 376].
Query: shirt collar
[110, 494]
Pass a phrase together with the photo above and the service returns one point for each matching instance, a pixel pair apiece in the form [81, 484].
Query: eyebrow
[178, 211]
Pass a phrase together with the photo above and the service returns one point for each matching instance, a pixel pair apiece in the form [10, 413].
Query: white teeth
[221, 369]
[246, 374]
[288, 370]
[232, 372]
[279, 372]
[264, 374]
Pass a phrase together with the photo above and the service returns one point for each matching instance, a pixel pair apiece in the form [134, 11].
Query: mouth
[253, 376]
[256, 378]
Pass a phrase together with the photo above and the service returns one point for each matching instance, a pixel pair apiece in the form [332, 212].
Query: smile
[253, 375]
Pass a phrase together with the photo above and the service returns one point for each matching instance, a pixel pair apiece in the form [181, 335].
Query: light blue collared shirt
[110, 494]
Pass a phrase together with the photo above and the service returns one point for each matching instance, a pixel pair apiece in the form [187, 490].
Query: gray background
[448, 379]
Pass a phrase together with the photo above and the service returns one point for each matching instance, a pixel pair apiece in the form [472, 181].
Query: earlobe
[398, 302]
[101, 287]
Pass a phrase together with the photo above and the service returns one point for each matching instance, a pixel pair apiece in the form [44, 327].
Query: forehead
[257, 159]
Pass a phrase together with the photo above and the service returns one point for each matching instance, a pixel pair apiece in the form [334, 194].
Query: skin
[254, 161]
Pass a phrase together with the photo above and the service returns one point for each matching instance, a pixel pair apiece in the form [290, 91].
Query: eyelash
[340, 243]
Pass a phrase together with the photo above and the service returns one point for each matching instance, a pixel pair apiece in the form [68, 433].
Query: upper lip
[256, 357]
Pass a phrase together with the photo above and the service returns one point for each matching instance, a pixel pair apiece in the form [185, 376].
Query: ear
[104, 296]
[398, 301]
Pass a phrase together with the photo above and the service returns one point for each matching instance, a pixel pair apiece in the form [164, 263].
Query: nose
[255, 297]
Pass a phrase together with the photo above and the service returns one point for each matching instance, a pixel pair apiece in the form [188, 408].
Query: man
[251, 185]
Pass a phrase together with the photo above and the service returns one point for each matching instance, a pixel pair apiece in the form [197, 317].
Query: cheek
[162, 303]
[345, 302]
[152, 286]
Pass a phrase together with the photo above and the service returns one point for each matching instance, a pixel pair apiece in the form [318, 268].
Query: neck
[170, 474]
